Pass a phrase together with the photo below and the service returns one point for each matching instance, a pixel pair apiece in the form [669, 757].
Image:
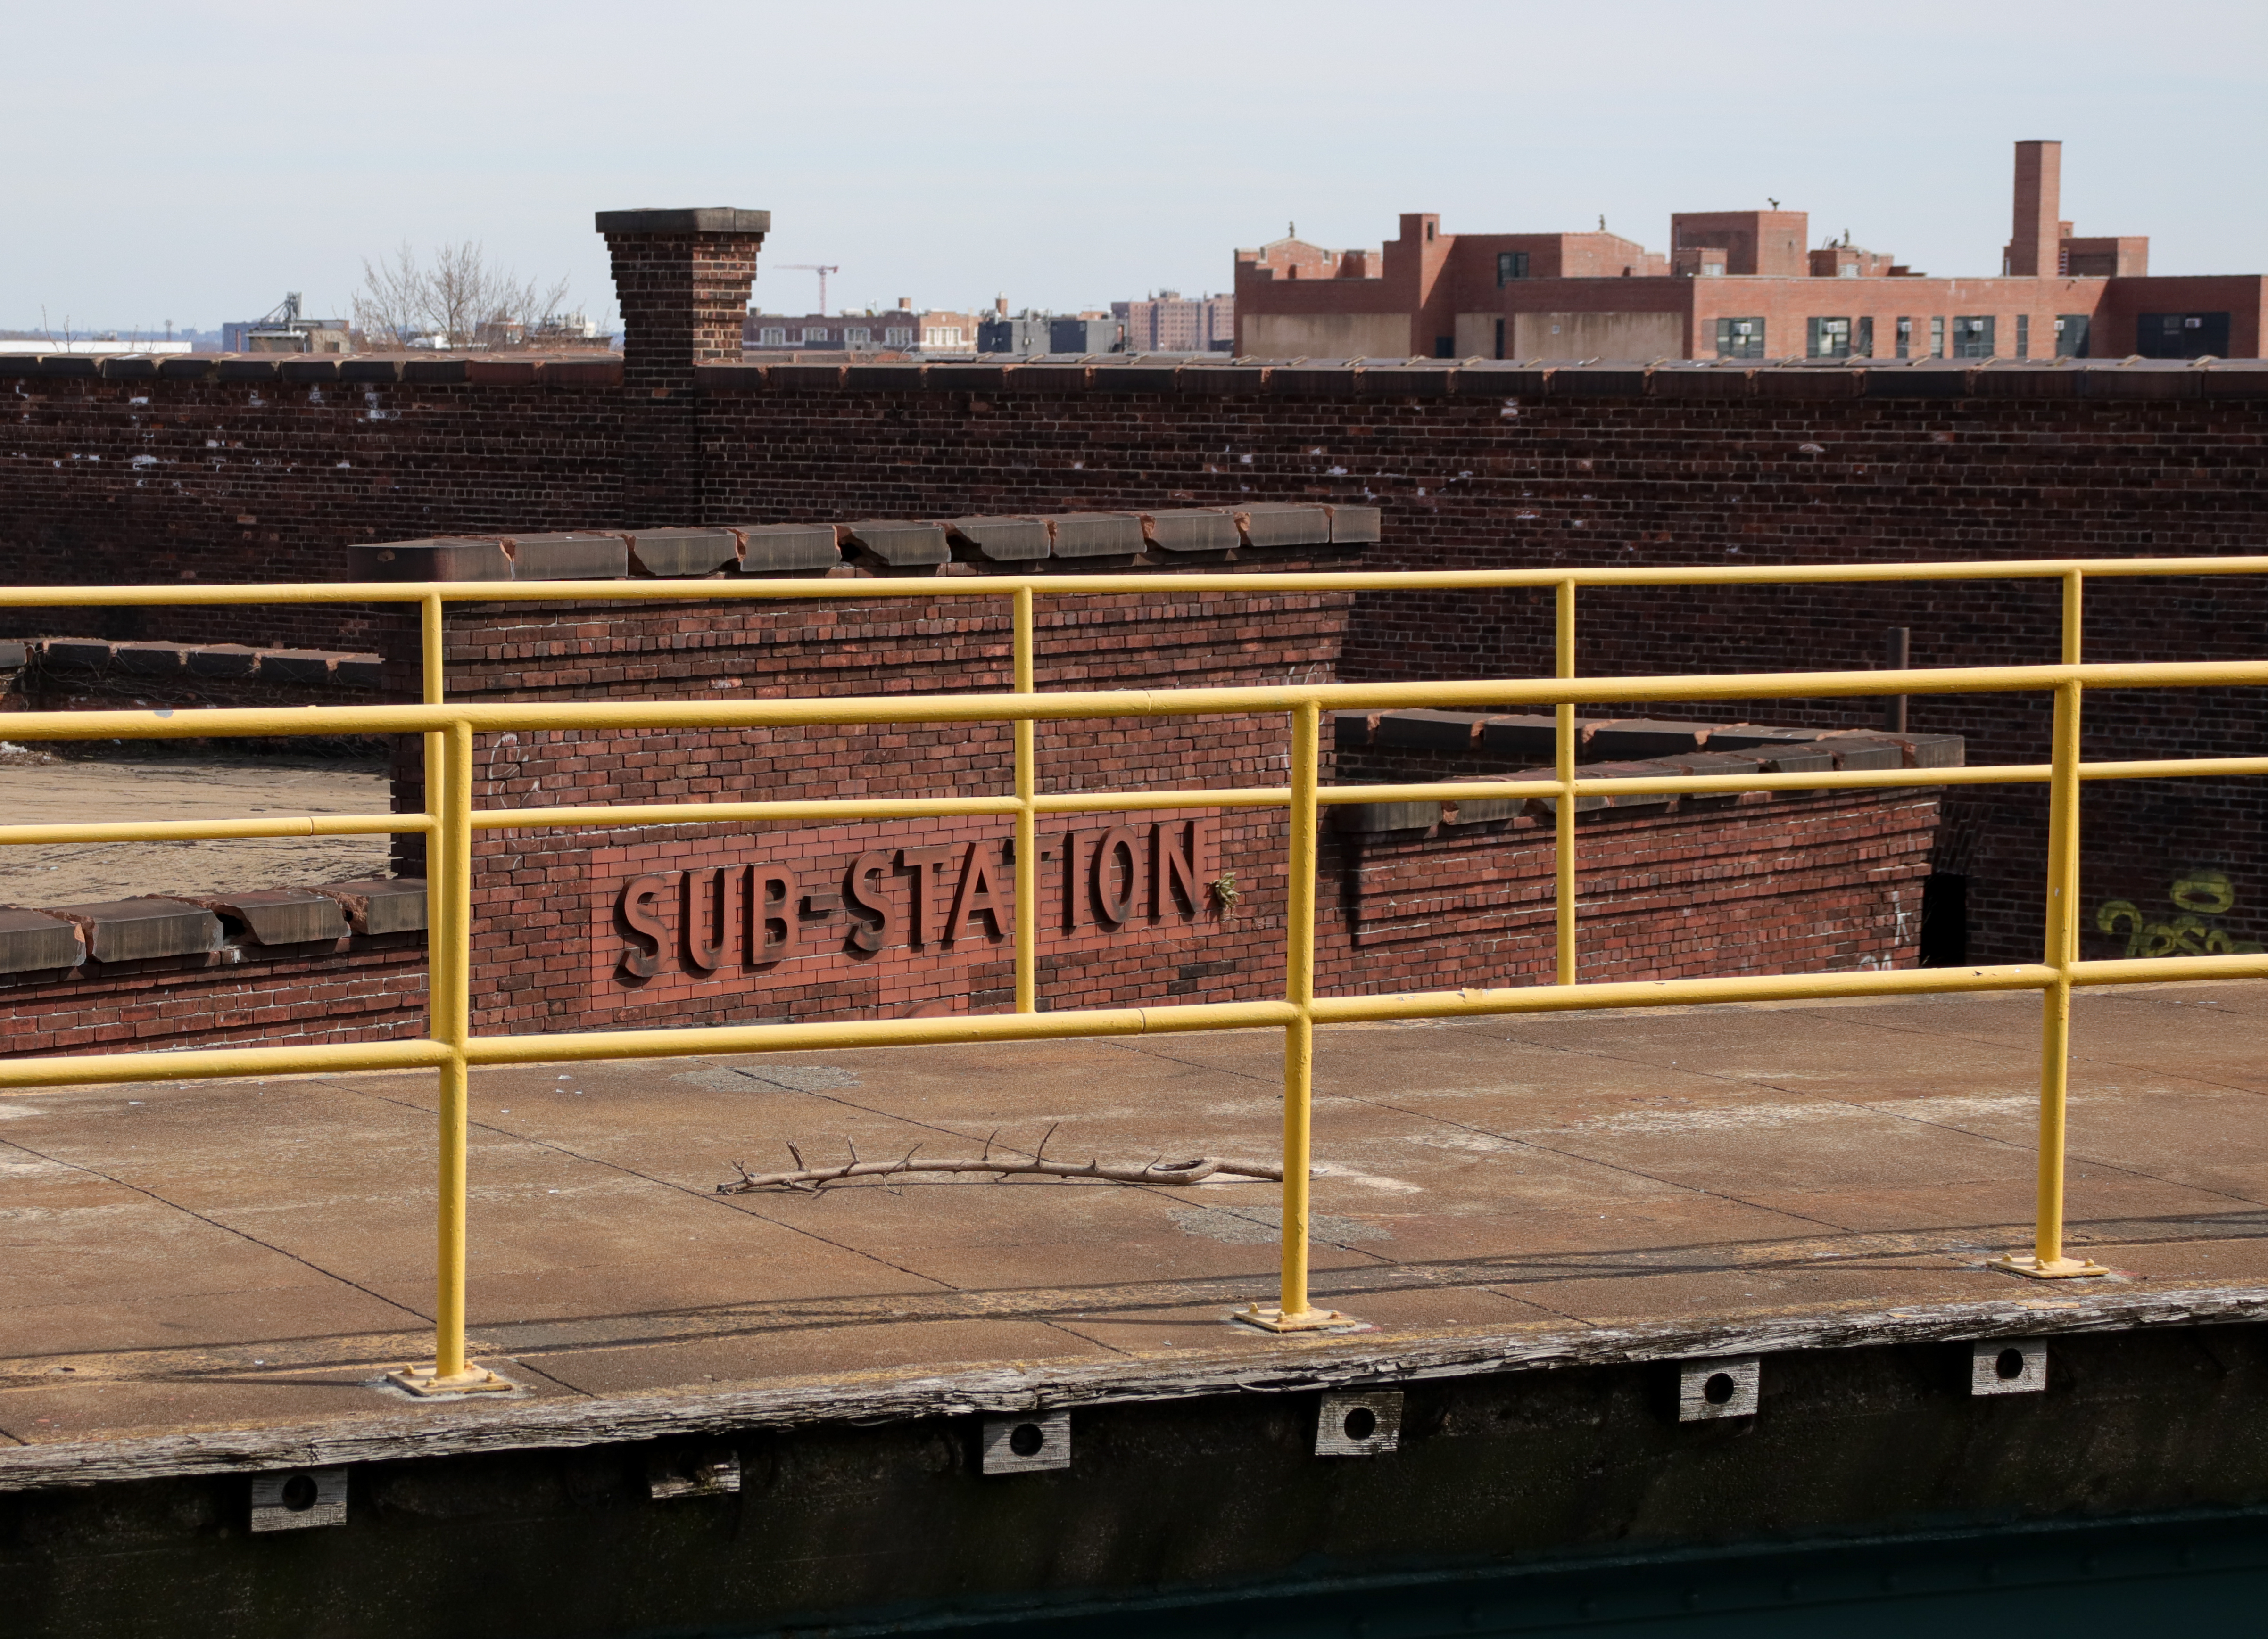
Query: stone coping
[1625, 748]
[56, 941]
[1215, 375]
[1015, 542]
[163, 662]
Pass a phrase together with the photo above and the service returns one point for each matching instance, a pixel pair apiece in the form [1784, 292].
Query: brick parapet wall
[539, 885]
[1754, 887]
[364, 988]
[1711, 886]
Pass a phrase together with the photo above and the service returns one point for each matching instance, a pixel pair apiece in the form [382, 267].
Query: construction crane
[822, 269]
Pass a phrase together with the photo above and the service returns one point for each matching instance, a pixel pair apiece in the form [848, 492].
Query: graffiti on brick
[2195, 897]
[951, 899]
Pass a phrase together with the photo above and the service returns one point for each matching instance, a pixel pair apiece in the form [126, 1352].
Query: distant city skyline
[1068, 193]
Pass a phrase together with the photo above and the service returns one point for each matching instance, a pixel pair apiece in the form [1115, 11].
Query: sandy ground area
[37, 790]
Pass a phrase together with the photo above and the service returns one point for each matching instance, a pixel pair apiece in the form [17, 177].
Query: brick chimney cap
[698, 219]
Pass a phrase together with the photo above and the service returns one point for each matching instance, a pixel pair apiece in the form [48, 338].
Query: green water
[2100, 1577]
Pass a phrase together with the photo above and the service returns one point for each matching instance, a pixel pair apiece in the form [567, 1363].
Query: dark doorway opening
[1944, 920]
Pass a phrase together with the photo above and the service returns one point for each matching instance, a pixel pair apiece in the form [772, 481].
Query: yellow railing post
[1293, 1313]
[2060, 951]
[1027, 822]
[449, 862]
[430, 666]
[1564, 767]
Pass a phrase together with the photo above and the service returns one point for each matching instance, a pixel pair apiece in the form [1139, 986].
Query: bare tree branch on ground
[813, 1179]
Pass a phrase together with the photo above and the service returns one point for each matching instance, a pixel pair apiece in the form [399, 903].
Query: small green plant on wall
[2195, 897]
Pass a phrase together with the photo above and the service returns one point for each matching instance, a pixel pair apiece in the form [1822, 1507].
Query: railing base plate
[2059, 1269]
[1306, 1320]
[426, 1381]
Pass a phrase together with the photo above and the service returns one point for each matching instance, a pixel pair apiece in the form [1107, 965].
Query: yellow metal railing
[450, 820]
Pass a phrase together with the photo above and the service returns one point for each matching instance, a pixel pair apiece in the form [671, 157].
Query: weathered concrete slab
[137, 929]
[280, 915]
[383, 905]
[679, 552]
[225, 1268]
[571, 556]
[897, 545]
[776, 548]
[31, 941]
[1193, 530]
[430, 560]
[1284, 525]
[1096, 534]
[1003, 540]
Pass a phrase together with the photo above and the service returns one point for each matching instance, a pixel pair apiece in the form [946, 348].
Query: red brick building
[1739, 285]
[1169, 322]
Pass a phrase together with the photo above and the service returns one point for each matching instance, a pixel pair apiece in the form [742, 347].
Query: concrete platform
[38, 787]
[210, 1276]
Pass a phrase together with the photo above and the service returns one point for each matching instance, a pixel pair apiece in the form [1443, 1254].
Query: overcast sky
[193, 161]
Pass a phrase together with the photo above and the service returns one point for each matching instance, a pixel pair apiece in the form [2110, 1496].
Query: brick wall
[1482, 467]
[543, 891]
[364, 989]
[707, 924]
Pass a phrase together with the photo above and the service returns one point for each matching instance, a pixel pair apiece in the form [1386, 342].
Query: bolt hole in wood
[1720, 1388]
[299, 1490]
[1365, 1424]
[2009, 1365]
[1025, 1444]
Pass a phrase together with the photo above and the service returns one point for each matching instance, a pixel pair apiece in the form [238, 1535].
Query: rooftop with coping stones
[1224, 376]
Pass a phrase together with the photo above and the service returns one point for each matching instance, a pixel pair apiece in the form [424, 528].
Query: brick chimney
[2035, 244]
[682, 278]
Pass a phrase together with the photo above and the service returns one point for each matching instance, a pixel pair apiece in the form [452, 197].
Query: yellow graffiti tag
[2188, 934]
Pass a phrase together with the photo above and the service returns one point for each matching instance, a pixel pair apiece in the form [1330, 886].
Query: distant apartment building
[1739, 285]
[1169, 322]
[901, 329]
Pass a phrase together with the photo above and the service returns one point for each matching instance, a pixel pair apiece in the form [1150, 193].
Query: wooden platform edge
[1290, 1365]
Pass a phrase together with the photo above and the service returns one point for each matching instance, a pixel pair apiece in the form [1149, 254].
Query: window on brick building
[1905, 338]
[1510, 264]
[2181, 335]
[1828, 338]
[773, 335]
[897, 335]
[1972, 336]
[1445, 347]
[1862, 340]
[1937, 338]
[2024, 335]
[1740, 338]
[814, 333]
[2071, 335]
[858, 338]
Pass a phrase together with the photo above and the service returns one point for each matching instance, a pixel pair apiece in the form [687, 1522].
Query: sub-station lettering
[942, 898]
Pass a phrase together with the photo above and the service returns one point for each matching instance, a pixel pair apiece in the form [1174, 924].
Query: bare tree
[457, 297]
[390, 307]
